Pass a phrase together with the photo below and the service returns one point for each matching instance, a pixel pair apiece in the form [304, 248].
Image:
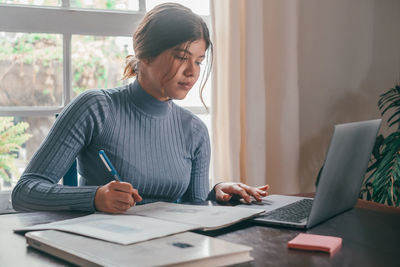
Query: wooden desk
[370, 232]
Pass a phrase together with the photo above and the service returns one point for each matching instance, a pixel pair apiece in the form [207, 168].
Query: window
[48, 55]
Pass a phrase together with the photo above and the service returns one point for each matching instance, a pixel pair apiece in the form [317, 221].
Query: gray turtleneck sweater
[160, 148]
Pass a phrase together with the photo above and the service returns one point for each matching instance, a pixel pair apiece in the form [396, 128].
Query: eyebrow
[187, 51]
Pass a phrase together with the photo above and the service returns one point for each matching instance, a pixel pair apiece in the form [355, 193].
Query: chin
[180, 96]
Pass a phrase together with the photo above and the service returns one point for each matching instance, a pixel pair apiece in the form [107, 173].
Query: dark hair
[166, 26]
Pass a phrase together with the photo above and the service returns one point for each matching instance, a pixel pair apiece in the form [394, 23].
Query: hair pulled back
[166, 26]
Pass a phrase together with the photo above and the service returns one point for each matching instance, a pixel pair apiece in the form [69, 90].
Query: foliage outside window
[97, 62]
[12, 136]
[30, 69]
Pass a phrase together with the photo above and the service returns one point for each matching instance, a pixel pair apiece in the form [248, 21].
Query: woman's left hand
[225, 191]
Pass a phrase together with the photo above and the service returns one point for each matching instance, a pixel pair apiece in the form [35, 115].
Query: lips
[186, 85]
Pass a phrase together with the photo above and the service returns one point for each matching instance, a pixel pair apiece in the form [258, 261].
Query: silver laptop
[339, 183]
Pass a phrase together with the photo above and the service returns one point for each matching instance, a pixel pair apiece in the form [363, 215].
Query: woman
[161, 151]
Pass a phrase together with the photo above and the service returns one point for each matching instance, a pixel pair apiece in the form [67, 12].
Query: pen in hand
[116, 187]
[109, 165]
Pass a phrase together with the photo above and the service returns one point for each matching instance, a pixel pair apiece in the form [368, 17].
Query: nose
[190, 69]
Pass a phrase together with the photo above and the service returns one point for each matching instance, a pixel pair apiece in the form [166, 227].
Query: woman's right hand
[116, 197]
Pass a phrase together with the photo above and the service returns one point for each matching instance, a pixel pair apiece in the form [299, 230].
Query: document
[201, 217]
[149, 221]
[120, 229]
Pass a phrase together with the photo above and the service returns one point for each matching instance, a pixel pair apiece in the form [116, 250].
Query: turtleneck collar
[147, 102]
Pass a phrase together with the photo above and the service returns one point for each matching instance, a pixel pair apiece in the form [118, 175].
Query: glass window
[98, 62]
[206, 118]
[20, 137]
[33, 2]
[107, 4]
[199, 7]
[31, 69]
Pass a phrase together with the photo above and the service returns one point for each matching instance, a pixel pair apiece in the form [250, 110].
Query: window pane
[33, 2]
[107, 4]
[98, 62]
[199, 7]
[206, 118]
[13, 161]
[30, 69]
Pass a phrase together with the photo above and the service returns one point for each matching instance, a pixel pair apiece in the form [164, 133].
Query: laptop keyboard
[295, 212]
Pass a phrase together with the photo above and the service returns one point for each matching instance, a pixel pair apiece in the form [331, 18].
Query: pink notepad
[324, 243]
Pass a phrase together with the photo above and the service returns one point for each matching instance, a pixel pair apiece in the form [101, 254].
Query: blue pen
[108, 165]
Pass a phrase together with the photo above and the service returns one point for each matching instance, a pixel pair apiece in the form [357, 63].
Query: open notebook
[145, 222]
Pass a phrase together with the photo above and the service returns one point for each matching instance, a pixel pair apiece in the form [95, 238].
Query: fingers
[127, 188]
[264, 187]
[257, 192]
[124, 198]
[262, 190]
[221, 196]
[225, 191]
[116, 197]
[262, 193]
[136, 196]
[245, 191]
[121, 186]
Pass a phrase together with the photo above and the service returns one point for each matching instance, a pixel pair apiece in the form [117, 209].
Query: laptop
[339, 183]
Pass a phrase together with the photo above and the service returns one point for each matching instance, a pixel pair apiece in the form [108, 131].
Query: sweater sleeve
[201, 153]
[73, 130]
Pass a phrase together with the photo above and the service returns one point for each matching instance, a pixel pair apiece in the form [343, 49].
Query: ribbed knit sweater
[160, 148]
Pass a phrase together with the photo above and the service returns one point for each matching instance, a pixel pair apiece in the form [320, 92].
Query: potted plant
[12, 136]
[382, 183]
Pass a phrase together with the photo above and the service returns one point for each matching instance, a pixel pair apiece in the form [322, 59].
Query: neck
[147, 102]
[151, 89]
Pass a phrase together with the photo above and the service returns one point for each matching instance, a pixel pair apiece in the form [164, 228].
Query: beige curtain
[255, 95]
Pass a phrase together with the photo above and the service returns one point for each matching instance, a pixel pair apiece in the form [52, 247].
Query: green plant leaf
[382, 182]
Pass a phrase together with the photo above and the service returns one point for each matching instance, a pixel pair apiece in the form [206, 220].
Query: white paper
[203, 217]
[144, 222]
[119, 229]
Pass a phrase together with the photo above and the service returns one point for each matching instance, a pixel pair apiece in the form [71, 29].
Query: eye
[181, 58]
[199, 63]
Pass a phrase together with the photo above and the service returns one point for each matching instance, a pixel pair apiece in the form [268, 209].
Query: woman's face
[173, 73]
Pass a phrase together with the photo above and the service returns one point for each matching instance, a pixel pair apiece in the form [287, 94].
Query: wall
[348, 54]
[282, 95]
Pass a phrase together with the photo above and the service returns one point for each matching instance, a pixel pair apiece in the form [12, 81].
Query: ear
[145, 61]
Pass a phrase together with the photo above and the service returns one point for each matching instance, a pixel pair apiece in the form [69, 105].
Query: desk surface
[370, 232]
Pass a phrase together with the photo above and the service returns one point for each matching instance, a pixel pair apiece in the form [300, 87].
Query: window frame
[68, 21]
